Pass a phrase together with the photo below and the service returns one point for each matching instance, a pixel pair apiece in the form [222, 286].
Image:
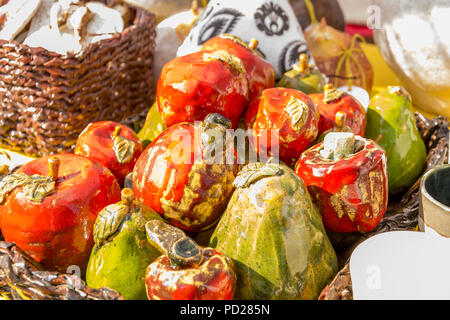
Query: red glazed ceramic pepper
[186, 271]
[49, 207]
[346, 176]
[333, 101]
[260, 73]
[177, 177]
[115, 146]
[282, 118]
[193, 86]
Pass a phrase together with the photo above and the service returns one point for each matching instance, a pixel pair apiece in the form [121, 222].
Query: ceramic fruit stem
[186, 271]
[181, 250]
[53, 168]
[303, 66]
[349, 186]
[127, 196]
[253, 44]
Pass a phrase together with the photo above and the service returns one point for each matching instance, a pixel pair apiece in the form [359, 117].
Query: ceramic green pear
[153, 126]
[392, 125]
[121, 252]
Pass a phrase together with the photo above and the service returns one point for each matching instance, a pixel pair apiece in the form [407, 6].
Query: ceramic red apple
[193, 86]
[48, 208]
[289, 116]
[334, 101]
[260, 73]
[178, 177]
[115, 146]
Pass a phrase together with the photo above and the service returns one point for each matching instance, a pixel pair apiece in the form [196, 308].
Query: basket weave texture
[47, 99]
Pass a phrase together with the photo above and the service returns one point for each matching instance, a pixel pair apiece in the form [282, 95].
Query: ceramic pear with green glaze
[121, 252]
[153, 126]
[304, 77]
[275, 236]
[392, 125]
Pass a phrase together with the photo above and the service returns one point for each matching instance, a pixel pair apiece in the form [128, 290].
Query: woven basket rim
[141, 19]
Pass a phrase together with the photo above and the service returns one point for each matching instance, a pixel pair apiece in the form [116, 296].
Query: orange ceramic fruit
[115, 146]
[49, 206]
[193, 86]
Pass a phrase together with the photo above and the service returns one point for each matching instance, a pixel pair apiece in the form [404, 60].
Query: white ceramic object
[434, 207]
[409, 265]
[272, 23]
[16, 159]
[401, 265]
[168, 40]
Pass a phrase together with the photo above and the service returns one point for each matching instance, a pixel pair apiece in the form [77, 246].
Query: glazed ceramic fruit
[49, 206]
[304, 77]
[275, 236]
[115, 146]
[346, 176]
[186, 271]
[185, 174]
[153, 126]
[337, 54]
[193, 86]
[392, 125]
[121, 252]
[333, 101]
[283, 120]
[260, 73]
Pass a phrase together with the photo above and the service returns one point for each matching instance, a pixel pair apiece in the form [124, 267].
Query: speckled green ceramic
[392, 125]
[153, 126]
[274, 234]
[122, 253]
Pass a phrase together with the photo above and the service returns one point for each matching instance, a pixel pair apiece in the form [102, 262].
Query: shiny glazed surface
[213, 279]
[96, 143]
[269, 113]
[260, 73]
[183, 188]
[190, 88]
[120, 262]
[352, 193]
[392, 125]
[356, 115]
[58, 232]
[275, 237]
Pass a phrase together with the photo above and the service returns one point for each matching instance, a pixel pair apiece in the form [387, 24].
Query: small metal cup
[435, 201]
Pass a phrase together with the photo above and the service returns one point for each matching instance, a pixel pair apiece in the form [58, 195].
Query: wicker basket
[47, 99]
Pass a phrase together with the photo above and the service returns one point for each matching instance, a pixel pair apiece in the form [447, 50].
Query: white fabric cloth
[272, 23]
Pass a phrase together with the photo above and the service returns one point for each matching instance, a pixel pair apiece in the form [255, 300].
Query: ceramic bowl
[435, 201]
